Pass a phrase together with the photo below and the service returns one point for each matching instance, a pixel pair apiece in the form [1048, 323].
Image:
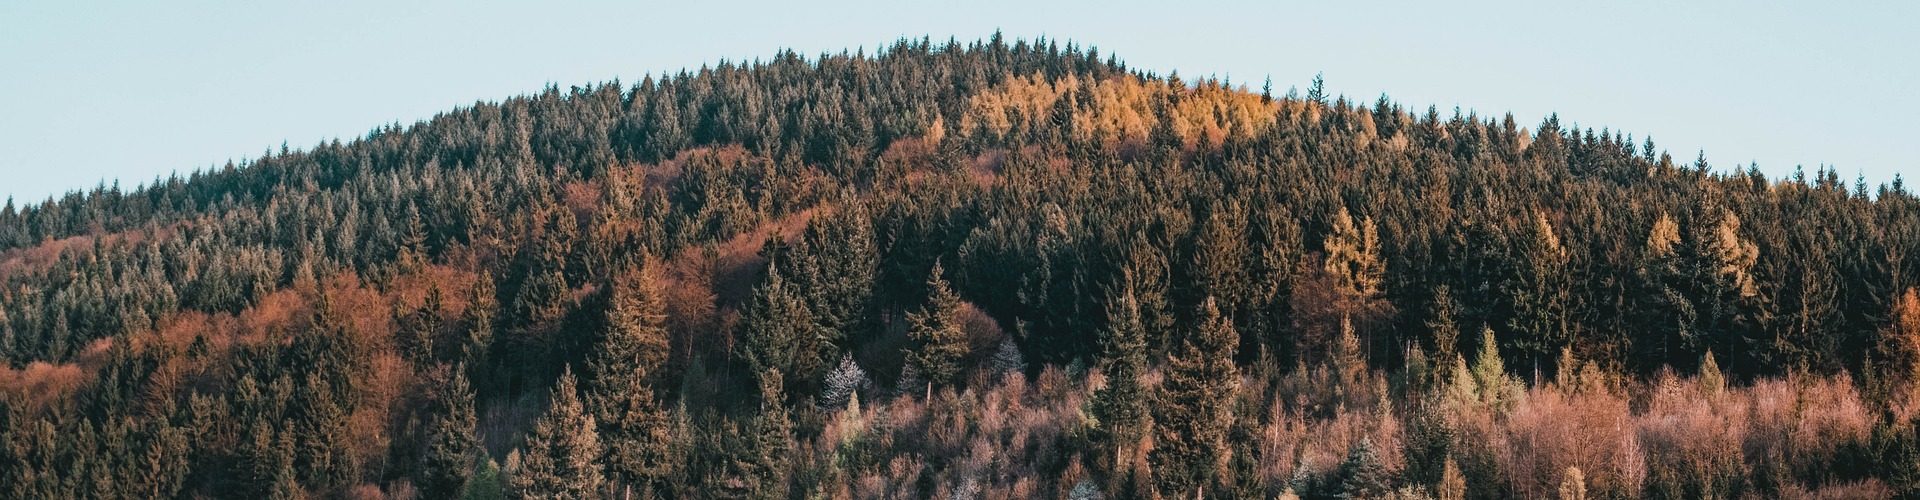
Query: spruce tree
[1195, 407]
[477, 322]
[939, 343]
[1440, 322]
[562, 452]
[620, 394]
[835, 263]
[1362, 475]
[453, 444]
[1537, 291]
[779, 330]
[1669, 313]
[1121, 406]
[842, 385]
[770, 440]
[1496, 388]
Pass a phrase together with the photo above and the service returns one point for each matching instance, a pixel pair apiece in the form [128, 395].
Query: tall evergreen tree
[1663, 298]
[477, 326]
[836, 264]
[1362, 475]
[939, 343]
[779, 330]
[770, 441]
[562, 452]
[1122, 405]
[620, 395]
[1195, 407]
[1538, 291]
[453, 442]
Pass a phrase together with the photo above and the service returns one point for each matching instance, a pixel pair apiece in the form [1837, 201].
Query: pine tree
[1441, 324]
[1007, 359]
[1899, 348]
[620, 394]
[939, 343]
[1195, 407]
[477, 322]
[1496, 388]
[779, 330]
[1121, 406]
[770, 440]
[1710, 379]
[1538, 290]
[1353, 257]
[835, 262]
[1362, 475]
[842, 385]
[561, 457]
[453, 444]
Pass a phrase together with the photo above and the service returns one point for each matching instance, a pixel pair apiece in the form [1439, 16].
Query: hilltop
[1012, 269]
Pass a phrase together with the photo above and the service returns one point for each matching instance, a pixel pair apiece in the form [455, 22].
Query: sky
[99, 91]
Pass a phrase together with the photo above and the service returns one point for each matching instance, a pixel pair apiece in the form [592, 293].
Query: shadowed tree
[1195, 407]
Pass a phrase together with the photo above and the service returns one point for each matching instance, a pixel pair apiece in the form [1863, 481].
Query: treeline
[995, 269]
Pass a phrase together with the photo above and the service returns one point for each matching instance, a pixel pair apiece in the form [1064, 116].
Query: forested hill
[999, 269]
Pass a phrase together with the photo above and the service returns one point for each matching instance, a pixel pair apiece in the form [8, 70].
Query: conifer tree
[1732, 307]
[1710, 379]
[477, 323]
[419, 328]
[779, 330]
[1195, 407]
[1353, 257]
[1899, 348]
[1663, 298]
[1007, 359]
[1362, 475]
[1441, 324]
[620, 394]
[453, 444]
[939, 343]
[770, 440]
[413, 244]
[835, 262]
[1496, 388]
[843, 384]
[562, 452]
[1358, 275]
[1121, 406]
[1219, 261]
[1538, 292]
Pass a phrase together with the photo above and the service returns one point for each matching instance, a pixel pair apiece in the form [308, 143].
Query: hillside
[991, 270]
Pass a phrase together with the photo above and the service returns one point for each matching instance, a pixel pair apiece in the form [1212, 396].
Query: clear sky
[93, 91]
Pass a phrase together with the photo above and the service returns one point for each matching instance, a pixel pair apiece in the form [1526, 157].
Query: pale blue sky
[93, 91]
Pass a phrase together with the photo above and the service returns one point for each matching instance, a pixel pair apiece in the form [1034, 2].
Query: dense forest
[999, 269]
